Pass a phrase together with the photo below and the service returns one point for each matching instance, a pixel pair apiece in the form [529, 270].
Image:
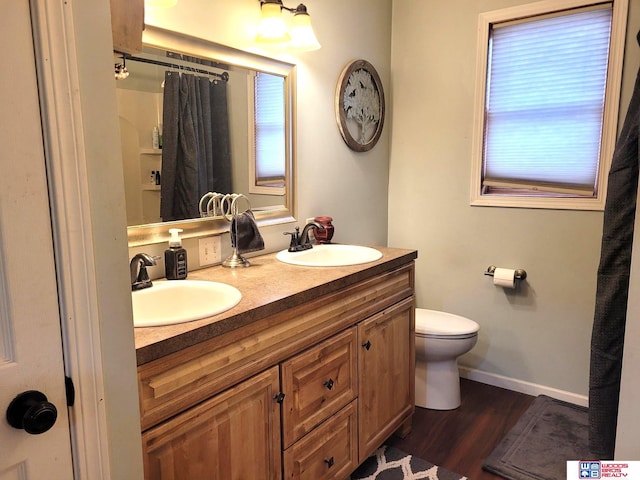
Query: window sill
[550, 203]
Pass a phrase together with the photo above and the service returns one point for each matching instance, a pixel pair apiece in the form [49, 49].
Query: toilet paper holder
[520, 273]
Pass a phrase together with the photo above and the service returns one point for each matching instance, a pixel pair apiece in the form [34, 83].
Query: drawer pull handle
[329, 383]
[329, 462]
[367, 345]
[279, 397]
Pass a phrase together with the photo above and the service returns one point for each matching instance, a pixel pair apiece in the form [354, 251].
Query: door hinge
[71, 391]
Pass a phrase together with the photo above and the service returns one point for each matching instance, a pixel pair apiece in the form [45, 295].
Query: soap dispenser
[175, 257]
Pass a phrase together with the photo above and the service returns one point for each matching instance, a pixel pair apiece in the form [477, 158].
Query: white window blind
[270, 146]
[546, 80]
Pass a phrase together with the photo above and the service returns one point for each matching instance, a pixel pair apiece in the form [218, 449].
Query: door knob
[32, 412]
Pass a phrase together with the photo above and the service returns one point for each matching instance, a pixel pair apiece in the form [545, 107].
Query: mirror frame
[162, 39]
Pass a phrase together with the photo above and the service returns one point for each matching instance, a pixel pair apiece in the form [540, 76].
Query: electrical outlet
[310, 219]
[210, 250]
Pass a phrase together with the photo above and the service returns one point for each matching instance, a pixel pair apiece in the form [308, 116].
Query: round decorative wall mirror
[360, 105]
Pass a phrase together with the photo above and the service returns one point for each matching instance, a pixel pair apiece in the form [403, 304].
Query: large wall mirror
[248, 126]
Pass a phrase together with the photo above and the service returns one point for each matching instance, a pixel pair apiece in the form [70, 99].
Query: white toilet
[440, 339]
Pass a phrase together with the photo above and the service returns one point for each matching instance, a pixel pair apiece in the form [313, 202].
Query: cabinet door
[386, 365]
[232, 436]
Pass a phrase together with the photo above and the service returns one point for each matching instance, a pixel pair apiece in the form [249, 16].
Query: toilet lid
[433, 322]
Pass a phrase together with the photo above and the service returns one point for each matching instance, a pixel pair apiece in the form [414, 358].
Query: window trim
[611, 106]
[274, 186]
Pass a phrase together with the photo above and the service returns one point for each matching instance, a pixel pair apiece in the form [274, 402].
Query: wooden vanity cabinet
[304, 394]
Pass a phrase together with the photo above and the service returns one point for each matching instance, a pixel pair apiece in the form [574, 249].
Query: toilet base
[438, 385]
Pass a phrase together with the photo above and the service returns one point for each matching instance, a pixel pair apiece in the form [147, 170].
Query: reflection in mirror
[197, 117]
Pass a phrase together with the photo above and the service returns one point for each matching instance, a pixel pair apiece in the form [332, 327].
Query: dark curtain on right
[607, 338]
[196, 152]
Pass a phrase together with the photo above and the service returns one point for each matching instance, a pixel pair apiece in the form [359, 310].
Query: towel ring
[234, 206]
[214, 207]
[229, 207]
[225, 206]
[202, 199]
[213, 197]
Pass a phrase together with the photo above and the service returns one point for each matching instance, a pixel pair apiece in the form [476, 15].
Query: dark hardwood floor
[459, 440]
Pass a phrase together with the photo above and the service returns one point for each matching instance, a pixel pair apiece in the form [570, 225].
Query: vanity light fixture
[273, 30]
[160, 3]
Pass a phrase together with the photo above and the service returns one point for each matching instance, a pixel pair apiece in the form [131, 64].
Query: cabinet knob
[329, 461]
[367, 345]
[279, 397]
[329, 383]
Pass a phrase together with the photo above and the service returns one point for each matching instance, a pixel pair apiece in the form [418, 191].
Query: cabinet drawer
[329, 452]
[317, 383]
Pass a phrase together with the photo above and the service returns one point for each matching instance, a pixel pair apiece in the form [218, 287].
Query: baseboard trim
[522, 386]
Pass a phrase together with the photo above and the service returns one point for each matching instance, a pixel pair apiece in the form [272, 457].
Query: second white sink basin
[169, 302]
[330, 255]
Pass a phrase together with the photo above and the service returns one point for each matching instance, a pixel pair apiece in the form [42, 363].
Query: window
[547, 104]
[268, 149]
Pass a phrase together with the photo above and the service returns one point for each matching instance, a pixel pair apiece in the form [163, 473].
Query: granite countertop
[268, 286]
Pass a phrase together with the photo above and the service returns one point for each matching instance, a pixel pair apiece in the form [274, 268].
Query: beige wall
[331, 179]
[540, 333]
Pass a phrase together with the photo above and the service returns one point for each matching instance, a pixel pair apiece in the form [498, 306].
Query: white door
[30, 337]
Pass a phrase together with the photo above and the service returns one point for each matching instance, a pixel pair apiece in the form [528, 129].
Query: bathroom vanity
[303, 379]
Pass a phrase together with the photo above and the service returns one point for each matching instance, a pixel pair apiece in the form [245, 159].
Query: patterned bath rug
[389, 463]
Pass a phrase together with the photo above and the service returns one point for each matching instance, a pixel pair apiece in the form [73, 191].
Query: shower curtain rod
[224, 75]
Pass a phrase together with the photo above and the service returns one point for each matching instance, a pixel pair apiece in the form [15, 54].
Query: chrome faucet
[300, 241]
[138, 268]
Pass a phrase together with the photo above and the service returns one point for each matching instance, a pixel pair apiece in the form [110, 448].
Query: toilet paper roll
[504, 277]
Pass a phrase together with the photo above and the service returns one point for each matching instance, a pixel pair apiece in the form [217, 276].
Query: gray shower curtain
[607, 339]
[196, 155]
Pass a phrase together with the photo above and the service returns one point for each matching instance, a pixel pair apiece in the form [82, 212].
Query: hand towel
[245, 235]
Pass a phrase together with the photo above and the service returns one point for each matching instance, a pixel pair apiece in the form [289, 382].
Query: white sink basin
[169, 302]
[330, 255]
